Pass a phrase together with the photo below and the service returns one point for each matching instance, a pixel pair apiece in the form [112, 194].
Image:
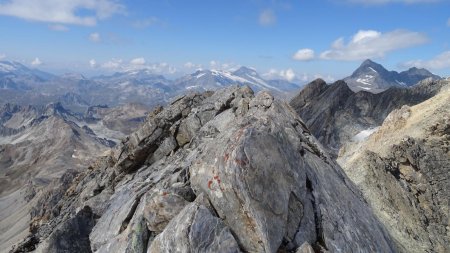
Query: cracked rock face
[403, 170]
[217, 172]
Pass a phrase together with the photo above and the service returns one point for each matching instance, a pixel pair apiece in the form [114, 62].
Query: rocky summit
[214, 172]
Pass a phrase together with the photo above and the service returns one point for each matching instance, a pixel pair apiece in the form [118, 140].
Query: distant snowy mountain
[22, 85]
[214, 79]
[13, 69]
[373, 77]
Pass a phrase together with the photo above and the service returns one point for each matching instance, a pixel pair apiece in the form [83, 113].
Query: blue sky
[296, 40]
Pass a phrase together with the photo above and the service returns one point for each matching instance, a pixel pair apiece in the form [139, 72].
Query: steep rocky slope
[213, 172]
[40, 143]
[403, 170]
[37, 145]
[335, 114]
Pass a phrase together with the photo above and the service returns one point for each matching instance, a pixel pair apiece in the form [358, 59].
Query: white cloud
[190, 65]
[305, 54]
[62, 11]
[138, 64]
[372, 44]
[287, 74]
[267, 17]
[379, 2]
[2, 56]
[440, 61]
[448, 22]
[137, 61]
[93, 63]
[58, 28]
[36, 62]
[227, 66]
[291, 76]
[113, 64]
[95, 37]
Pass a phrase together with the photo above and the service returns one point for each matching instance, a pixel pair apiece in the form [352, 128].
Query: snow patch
[364, 134]
[6, 67]
[401, 83]
[373, 69]
[200, 75]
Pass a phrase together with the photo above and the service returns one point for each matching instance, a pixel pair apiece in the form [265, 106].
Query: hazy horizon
[292, 40]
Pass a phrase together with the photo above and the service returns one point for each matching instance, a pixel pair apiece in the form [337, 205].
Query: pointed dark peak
[370, 67]
[340, 85]
[419, 71]
[319, 82]
[310, 91]
[368, 62]
[316, 86]
[245, 71]
[55, 109]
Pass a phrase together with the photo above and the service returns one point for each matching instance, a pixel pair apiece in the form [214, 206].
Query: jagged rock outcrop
[403, 170]
[242, 173]
[335, 114]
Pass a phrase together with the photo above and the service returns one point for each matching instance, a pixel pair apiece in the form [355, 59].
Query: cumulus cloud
[305, 54]
[137, 61]
[190, 65]
[58, 28]
[267, 17]
[62, 11]
[138, 64]
[95, 37]
[286, 74]
[440, 61]
[113, 64]
[379, 2]
[36, 62]
[93, 63]
[372, 44]
[227, 66]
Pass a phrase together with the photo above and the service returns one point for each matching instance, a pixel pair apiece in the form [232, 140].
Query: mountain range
[22, 85]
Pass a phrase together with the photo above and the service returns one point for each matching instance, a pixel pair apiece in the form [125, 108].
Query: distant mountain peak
[245, 71]
[373, 77]
[368, 62]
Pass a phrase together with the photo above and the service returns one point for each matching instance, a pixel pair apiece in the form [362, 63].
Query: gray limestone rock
[260, 181]
[195, 229]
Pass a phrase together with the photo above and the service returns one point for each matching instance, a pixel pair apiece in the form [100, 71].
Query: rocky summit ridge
[223, 171]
